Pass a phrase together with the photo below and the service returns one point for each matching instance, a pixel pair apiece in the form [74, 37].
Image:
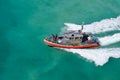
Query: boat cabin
[71, 38]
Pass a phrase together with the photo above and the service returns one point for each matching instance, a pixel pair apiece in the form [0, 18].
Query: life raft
[92, 45]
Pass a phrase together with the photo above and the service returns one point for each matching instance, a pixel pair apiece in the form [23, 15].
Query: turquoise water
[24, 24]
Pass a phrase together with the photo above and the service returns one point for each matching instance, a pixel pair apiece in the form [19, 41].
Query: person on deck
[85, 37]
[55, 37]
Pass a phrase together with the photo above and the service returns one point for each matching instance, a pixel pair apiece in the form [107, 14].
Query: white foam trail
[97, 27]
[102, 26]
[107, 40]
[99, 56]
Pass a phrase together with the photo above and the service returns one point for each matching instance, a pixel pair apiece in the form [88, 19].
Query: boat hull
[93, 45]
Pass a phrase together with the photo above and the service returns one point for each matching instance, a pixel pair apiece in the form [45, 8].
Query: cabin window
[60, 37]
[80, 37]
[72, 35]
[70, 38]
[76, 37]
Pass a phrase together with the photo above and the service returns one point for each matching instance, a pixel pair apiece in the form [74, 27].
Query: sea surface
[25, 23]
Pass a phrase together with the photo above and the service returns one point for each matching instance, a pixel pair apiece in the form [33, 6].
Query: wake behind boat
[75, 39]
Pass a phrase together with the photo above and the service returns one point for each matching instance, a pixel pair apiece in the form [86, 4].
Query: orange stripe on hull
[74, 47]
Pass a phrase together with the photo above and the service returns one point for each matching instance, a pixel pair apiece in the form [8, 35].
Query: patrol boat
[75, 39]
